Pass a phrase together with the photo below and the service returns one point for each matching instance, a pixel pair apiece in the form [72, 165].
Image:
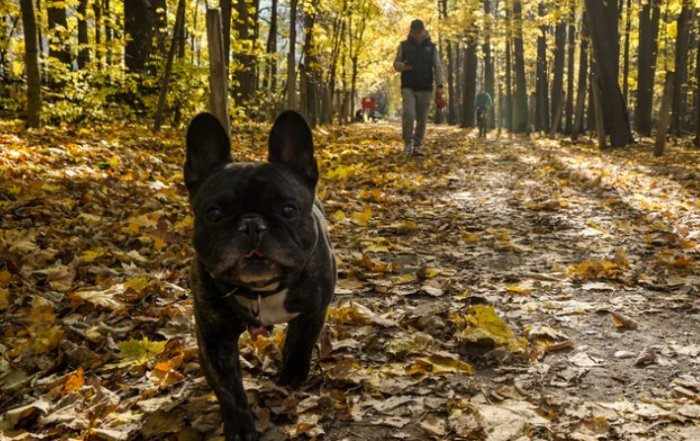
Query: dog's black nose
[252, 227]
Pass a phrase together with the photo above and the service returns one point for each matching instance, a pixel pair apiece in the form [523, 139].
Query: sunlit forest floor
[498, 289]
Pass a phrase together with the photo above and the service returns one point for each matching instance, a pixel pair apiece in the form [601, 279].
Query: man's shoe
[407, 150]
[417, 151]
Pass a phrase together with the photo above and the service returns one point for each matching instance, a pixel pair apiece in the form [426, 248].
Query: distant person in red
[419, 63]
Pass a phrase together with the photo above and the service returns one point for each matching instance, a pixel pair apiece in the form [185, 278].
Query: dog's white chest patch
[272, 310]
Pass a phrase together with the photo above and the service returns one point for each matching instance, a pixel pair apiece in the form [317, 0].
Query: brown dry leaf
[13, 416]
[434, 426]
[307, 423]
[105, 298]
[74, 382]
[622, 322]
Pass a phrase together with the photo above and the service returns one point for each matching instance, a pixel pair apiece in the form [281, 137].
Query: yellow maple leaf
[339, 216]
[93, 254]
[114, 162]
[362, 218]
[185, 223]
[484, 324]
[137, 283]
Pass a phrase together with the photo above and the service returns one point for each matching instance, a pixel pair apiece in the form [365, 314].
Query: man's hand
[440, 91]
[406, 67]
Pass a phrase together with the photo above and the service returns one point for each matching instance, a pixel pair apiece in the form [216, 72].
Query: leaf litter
[474, 299]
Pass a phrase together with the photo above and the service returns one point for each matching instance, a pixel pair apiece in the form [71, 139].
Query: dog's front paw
[242, 435]
[241, 428]
[293, 377]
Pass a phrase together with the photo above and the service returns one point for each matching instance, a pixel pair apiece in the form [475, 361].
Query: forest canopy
[104, 59]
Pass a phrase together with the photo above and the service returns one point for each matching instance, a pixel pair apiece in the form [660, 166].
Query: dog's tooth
[212, 275]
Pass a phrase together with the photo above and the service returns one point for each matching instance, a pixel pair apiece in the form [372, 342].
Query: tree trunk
[598, 110]
[678, 101]
[508, 120]
[664, 114]
[582, 76]
[559, 61]
[353, 85]
[451, 109]
[182, 43]
[271, 50]
[590, 121]
[338, 32]
[255, 46]
[648, 46]
[97, 10]
[489, 74]
[42, 44]
[626, 68]
[521, 125]
[541, 86]
[243, 76]
[452, 112]
[291, 78]
[83, 50]
[179, 25]
[139, 24]
[58, 26]
[109, 32]
[604, 35]
[470, 65]
[697, 92]
[226, 10]
[310, 71]
[458, 83]
[570, 68]
[31, 54]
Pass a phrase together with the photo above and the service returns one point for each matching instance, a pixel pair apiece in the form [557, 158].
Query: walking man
[419, 63]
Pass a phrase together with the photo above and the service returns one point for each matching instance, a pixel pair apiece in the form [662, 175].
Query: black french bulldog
[263, 256]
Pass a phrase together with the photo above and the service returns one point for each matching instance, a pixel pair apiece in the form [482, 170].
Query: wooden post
[666, 102]
[218, 98]
[599, 123]
[180, 18]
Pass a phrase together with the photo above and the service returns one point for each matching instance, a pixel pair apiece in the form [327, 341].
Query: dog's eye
[289, 211]
[214, 214]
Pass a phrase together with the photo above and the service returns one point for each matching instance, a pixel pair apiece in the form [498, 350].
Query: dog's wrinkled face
[252, 220]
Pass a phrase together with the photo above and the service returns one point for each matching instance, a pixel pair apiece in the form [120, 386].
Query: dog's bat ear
[208, 148]
[291, 144]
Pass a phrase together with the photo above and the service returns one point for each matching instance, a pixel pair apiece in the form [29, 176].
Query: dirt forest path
[499, 289]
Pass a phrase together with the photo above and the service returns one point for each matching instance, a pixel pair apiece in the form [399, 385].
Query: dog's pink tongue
[256, 331]
[253, 253]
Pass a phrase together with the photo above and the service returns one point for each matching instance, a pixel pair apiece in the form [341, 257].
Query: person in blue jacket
[482, 103]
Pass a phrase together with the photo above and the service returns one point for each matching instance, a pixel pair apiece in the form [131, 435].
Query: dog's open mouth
[253, 270]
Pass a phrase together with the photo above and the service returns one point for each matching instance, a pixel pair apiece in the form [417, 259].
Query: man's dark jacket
[420, 57]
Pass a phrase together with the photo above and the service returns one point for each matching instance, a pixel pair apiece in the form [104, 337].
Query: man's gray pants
[415, 108]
